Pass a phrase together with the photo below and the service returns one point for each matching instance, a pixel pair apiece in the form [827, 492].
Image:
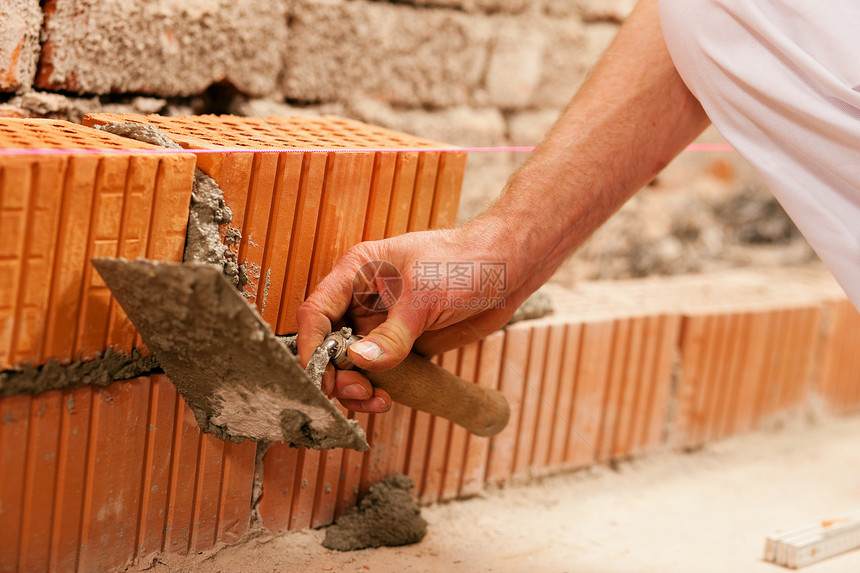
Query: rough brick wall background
[469, 72]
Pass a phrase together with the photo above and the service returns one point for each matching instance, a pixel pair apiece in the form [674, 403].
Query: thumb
[389, 343]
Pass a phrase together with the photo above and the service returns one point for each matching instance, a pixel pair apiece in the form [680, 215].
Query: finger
[326, 305]
[379, 403]
[328, 380]
[388, 344]
[351, 385]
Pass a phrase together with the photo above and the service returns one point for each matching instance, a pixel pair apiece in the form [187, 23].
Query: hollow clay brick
[301, 242]
[750, 376]
[458, 436]
[622, 430]
[349, 486]
[279, 469]
[304, 490]
[512, 383]
[156, 465]
[664, 371]
[423, 193]
[567, 387]
[547, 406]
[405, 172]
[477, 448]
[113, 469]
[75, 207]
[590, 389]
[379, 199]
[39, 481]
[614, 389]
[15, 411]
[438, 444]
[532, 397]
[72, 452]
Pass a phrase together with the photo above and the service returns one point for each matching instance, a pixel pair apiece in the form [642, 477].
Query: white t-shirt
[780, 79]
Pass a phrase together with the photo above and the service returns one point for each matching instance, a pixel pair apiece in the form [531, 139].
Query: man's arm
[631, 117]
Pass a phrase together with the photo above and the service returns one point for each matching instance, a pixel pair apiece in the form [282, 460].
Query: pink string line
[694, 147]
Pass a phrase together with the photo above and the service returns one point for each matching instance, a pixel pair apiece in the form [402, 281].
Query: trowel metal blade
[239, 380]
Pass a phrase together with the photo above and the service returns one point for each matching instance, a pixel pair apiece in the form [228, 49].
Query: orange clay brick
[567, 380]
[39, 481]
[706, 390]
[405, 172]
[113, 469]
[420, 428]
[353, 466]
[379, 200]
[156, 466]
[72, 451]
[206, 497]
[15, 416]
[750, 377]
[301, 513]
[186, 445]
[590, 389]
[279, 468]
[646, 384]
[728, 408]
[622, 431]
[772, 386]
[437, 447]
[344, 204]
[612, 400]
[659, 412]
[512, 383]
[458, 436]
[446, 199]
[28, 326]
[547, 407]
[62, 310]
[532, 397]
[304, 230]
[425, 188]
[279, 234]
[325, 497]
[477, 448]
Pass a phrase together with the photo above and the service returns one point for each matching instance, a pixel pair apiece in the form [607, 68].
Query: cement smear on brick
[207, 213]
[387, 516]
[102, 370]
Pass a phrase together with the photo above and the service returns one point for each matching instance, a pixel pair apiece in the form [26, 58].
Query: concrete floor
[705, 511]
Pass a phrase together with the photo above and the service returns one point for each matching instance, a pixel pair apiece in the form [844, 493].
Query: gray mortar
[537, 305]
[104, 369]
[207, 212]
[387, 516]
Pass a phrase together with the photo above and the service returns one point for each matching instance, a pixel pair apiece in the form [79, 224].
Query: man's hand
[437, 290]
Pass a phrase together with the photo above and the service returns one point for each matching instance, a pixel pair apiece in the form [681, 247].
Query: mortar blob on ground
[387, 516]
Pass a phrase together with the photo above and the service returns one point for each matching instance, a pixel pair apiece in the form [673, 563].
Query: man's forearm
[632, 116]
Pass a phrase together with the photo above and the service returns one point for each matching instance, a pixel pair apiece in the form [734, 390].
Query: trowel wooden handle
[418, 383]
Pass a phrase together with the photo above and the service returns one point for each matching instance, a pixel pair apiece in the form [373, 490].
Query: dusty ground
[705, 511]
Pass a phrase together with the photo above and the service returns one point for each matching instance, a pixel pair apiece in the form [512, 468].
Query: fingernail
[367, 349]
[354, 392]
[380, 404]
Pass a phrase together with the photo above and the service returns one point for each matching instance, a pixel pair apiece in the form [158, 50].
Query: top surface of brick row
[320, 133]
[57, 134]
[735, 291]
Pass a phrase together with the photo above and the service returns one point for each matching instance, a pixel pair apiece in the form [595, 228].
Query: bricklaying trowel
[241, 381]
